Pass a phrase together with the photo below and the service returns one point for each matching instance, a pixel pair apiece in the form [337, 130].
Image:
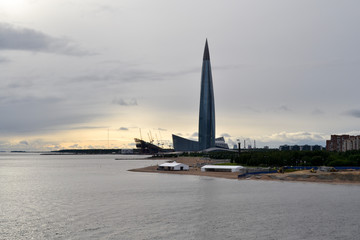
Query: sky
[99, 73]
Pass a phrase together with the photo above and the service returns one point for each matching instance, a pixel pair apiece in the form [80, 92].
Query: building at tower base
[186, 145]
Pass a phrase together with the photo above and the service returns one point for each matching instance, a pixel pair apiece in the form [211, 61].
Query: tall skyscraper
[207, 105]
[206, 115]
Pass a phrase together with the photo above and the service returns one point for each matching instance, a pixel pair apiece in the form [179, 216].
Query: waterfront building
[352, 143]
[206, 134]
[173, 166]
[338, 143]
[222, 168]
[220, 143]
[184, 145]
[343, 143]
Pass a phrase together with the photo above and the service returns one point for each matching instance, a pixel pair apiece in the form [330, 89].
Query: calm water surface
[95, 197]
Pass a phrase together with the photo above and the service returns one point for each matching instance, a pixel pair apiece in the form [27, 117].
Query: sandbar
[195, 163]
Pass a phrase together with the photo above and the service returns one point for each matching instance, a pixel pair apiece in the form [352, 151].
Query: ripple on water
[94, 197]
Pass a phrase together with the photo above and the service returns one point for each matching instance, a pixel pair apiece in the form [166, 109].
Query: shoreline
[341, 177]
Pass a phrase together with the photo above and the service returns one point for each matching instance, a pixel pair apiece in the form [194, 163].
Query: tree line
[276, 158]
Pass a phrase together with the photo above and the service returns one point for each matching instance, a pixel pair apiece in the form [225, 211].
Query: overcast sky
[92, 73]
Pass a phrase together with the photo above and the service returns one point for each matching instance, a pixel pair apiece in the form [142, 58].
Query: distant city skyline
[90, 74]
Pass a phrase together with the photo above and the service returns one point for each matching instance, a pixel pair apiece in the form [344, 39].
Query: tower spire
[206, 51]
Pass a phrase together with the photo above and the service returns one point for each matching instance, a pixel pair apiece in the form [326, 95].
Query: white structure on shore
[222, 168]
[173, 166]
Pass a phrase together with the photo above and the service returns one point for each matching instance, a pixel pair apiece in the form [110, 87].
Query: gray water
[95, 197]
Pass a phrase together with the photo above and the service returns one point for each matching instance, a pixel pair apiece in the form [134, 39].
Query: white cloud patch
[225, 135]
[26, 39]
[75, 146]
[282, 138]
[300, 138]
[33, 145]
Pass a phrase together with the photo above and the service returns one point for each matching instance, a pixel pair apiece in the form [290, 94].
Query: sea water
[95, 197]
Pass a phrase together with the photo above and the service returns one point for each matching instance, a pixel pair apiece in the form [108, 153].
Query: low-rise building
[173, 166]
[221, 168]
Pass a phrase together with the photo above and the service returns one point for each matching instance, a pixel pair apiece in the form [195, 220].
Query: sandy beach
[342, 177]
[194, 163]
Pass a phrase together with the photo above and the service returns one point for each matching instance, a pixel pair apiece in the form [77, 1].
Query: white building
[222, 168]
[173, 166]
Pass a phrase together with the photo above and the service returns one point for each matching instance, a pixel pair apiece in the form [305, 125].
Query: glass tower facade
[206, 114]
[207, 105]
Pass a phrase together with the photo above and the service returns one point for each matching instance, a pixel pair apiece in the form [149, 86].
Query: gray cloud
[228, 67]
[317, 112]
[277, 64]
[87, 127]
[126, 72]
[4, 59]
[105, 9]
[26, 39]
[28, 99]
[284, 108]
[354, 113]
[24, 142]
[225, 135]
[123, 129]
[29, 115]
[122, 102]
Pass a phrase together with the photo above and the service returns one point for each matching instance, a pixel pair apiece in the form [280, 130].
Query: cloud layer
[277, 78]
[26, 39]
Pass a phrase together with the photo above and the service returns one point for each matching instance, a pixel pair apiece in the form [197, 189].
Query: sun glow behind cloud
[14, 7]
